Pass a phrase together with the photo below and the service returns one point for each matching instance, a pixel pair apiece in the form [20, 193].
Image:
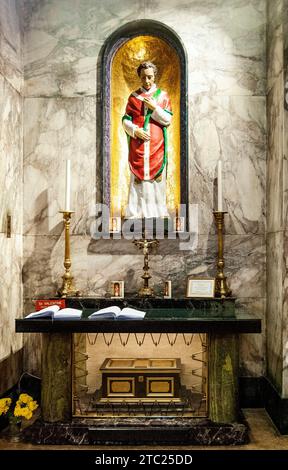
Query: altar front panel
[135, 374]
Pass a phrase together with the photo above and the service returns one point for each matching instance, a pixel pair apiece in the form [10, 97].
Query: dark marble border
[10, 370]
[186, 325]
[258, 392]
[137, 432]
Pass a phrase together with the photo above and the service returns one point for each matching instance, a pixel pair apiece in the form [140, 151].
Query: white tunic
[147, 199]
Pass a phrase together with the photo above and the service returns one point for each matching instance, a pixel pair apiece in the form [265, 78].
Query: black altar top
[162, 316]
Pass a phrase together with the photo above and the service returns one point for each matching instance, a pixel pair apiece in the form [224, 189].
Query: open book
[116, 313]
[55, 313]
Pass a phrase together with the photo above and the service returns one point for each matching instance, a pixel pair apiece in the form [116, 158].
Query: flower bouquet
[23, 408]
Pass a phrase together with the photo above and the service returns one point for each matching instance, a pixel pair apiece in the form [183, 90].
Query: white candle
[219, 186]
[68, 186]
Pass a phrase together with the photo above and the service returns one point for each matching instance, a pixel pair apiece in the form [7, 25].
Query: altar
[164, 411]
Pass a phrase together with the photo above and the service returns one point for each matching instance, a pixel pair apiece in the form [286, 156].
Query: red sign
[39, 304]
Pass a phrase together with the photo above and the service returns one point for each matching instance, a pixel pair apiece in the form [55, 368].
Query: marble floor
[263, 436]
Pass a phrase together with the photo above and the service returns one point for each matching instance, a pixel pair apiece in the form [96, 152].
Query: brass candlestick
[221, 288]
[67, 289]
[145, 244]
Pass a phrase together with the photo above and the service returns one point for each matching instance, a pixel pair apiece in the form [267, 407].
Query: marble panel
[225, 43]
[11, 302]
[285, 317]
[38, 271]
[275, 176]
[233, 128]
[11, 369]
[57, 130]
[253, 346]
[244, 263]
[274, 41]
[11, 43]
[11, 157]
[285, 29]
[61, 43]
[32, 345]
[274, 317]
[43, 266]
[285, 170]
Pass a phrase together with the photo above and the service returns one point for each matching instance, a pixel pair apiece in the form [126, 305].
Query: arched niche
[117, 78]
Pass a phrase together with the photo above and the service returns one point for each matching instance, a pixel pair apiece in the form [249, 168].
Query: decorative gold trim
[159, 379]
[221, 290]
[67, 289]
[110, 365]
[141, 400]
[120, 379]
[146, 245]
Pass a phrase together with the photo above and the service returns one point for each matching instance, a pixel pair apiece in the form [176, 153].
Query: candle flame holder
[221, 288]
[67, 289]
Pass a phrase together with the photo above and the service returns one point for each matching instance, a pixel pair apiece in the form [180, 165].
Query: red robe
[147, 160]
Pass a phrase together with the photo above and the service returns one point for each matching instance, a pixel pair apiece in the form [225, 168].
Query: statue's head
[147, 72]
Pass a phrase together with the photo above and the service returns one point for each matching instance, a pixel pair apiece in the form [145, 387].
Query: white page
[112, 309]
[68, 312]
[133, 313]
[52, 308]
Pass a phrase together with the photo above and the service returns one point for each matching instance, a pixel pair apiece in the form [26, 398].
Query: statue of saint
[147, 116]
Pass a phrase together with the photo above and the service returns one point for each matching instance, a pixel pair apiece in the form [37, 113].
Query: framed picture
[200, 287]
[117, 289]
[167, 290]
[115, 224]
[179, 224]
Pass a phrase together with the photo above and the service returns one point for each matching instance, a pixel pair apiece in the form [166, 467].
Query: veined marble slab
[62, 43]
[11, 303]
[11, 64]
[225, 43]
[57, 130]
[233, 129]
[11, 157]
[275, 325]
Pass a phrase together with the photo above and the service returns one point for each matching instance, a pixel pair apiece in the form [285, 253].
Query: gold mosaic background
[124, 80]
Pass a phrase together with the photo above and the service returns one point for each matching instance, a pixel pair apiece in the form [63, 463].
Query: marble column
[277, 201]
[11, 192]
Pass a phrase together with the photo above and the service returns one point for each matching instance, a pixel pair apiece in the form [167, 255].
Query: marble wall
[277, 126]
[11, 192]
[226, 53]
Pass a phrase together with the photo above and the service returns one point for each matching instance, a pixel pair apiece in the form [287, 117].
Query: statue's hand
[141, 134]
[150, 103]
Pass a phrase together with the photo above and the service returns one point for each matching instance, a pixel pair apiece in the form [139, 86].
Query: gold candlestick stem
[221, 288]
[67, 289]
[145, 244]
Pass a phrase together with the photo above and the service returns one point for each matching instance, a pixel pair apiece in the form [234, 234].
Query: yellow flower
[25, 398]
[24, 407]
[32, 405]
[4, 405]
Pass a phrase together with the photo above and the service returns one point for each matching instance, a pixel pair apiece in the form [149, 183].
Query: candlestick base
[146, 245]
[67, 289]
[221, 288]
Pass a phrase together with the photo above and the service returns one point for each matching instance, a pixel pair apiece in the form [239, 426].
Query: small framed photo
[115, 224]
[200, 287]
[167, 290]
[179, 224]
[117, 289]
